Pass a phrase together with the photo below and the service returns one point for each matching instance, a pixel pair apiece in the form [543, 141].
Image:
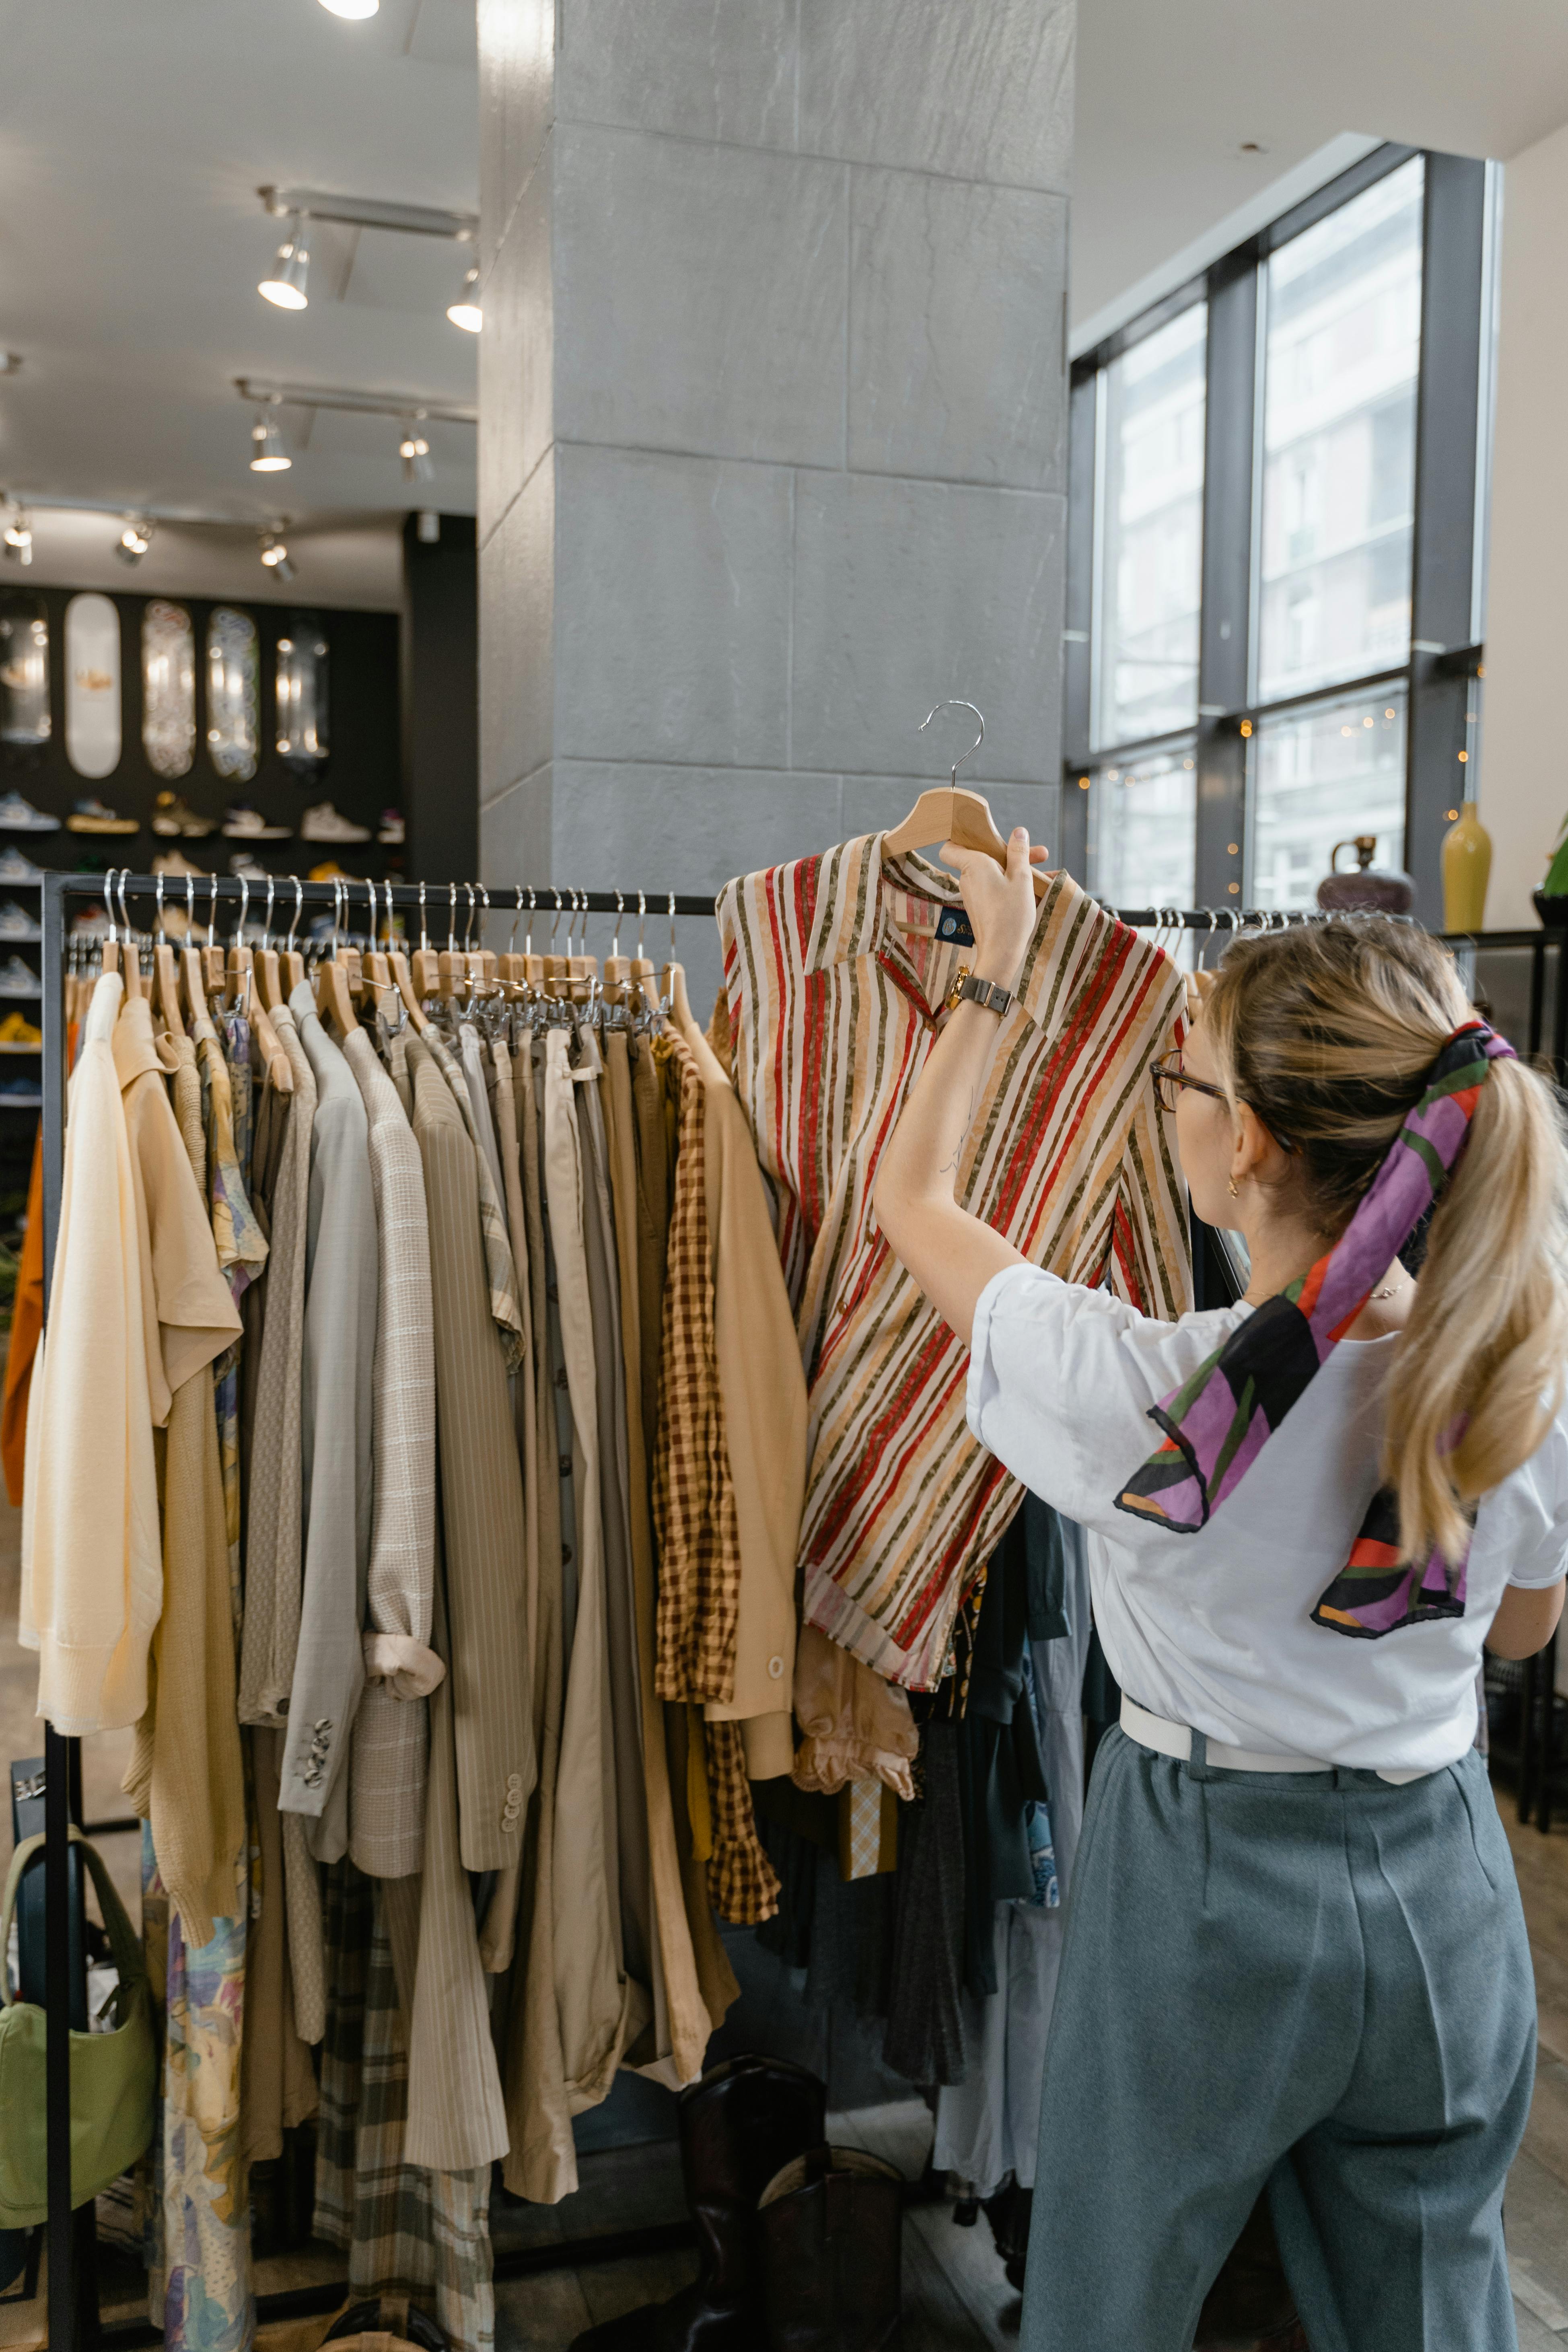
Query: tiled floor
[956, 2297]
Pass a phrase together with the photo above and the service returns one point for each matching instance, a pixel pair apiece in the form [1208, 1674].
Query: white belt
[1176, 1740]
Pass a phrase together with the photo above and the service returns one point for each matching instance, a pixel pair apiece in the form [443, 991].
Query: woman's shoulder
[1090, 1319]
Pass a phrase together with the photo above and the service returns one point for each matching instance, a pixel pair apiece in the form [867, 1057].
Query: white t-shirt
[1214, 1629]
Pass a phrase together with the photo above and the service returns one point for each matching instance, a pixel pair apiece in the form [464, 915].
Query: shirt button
[775, 1668]
[514, 1780]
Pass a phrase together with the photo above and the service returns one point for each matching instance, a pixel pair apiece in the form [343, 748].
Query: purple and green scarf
[1219, 1422]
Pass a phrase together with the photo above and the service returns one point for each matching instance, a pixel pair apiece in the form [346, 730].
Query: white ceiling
[1167, 95]
[133, 136]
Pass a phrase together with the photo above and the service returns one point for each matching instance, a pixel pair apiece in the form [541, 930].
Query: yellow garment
[92, 1572]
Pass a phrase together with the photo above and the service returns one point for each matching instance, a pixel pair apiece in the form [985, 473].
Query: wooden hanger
[674, 990]
[109, 952]
[133, 952]
[167, 974]
[333, 1000]
[951, 813]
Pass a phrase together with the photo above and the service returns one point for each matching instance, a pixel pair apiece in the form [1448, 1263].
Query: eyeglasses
[1169, 1077]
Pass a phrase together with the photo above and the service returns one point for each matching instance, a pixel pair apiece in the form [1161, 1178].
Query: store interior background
[765, 447]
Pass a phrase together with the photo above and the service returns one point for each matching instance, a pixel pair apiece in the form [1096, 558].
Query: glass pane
[1150, 563]
[302, 687]
[1339, 433]
[1142, 832]
[1320, 777]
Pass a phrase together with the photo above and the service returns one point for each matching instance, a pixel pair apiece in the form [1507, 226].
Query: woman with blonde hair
[1295, 1959]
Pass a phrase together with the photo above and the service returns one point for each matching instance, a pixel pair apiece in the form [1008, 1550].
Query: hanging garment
[277, 2081]
[402, 2226]
[268, 1147]
[681, 2021]
[480, 1490]
[270, 1635]
[242, 1252]
[632, 1869]
[92, 1578]
[541, 2157]
[764, 1392]
[386, 1784]
[337, 1421]
[925, 2039]
[600, 2009]
[696, 1522]
[26, 1328]
[988, 2123]
[473, 1058]
[838, 980]
[501, 1271]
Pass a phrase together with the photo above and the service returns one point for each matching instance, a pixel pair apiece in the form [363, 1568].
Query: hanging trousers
[1315, 1982]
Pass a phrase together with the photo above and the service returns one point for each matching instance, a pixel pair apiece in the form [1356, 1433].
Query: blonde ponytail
[1328, 1031]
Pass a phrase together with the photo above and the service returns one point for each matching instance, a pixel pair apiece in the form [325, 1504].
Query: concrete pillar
[773, 423]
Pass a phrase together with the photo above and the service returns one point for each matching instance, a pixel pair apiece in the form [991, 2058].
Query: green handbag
[113, 2075]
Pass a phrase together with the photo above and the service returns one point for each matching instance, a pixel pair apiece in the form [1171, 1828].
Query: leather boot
[1009, 2212]
[832, 2228]
[743, 2121]
[1249, 2304]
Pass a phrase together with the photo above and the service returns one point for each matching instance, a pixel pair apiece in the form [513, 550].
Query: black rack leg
[63, 2332]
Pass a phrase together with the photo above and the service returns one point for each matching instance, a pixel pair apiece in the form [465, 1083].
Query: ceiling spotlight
[275, 555]
[18, 536]
[465, 312]
[268, 455]
[285, 283]
[353, 8]
[135, 540]
[415, 451]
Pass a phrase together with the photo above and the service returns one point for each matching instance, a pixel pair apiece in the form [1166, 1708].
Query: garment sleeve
[1150, 1241]
[1061, 1380]
[1526, 1519]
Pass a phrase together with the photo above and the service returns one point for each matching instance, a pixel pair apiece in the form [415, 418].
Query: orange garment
[26, 1323]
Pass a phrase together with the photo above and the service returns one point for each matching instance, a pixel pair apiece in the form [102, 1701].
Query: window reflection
[1321, 776]
[1339, 482]
[1143, 831]
[1151, 560]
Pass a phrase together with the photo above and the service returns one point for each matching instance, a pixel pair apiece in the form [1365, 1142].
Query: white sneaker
[18, 979]
[17, 816]
[245, 868]
[322, 823]
[15, 923]
[391, 833]
[243, 824]
[15, 867]
[175, 861]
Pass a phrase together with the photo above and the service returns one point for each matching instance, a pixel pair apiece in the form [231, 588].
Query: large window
[1271, 654]
[1344, 344]
[1151, 551]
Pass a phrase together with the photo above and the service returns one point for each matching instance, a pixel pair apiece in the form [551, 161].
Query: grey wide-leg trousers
[1316, 1981]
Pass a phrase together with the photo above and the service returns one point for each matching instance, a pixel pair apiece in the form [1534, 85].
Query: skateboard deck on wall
[92, 686]
[168, 687]
[234, 699]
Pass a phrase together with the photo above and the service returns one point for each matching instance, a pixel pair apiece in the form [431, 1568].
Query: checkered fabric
[741, 1880]
[404, 2227]
[693, 1496]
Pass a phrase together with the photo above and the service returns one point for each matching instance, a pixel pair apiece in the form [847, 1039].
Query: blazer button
[775, 1668]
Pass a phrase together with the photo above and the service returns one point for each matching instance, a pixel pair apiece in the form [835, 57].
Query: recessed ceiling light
[134, 541]
[465, 312]
[287, 282]
[354, 8]
[268, 455]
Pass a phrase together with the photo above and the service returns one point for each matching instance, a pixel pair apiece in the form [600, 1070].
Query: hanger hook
[113, 931]
[267, 918]
[642, 918]
[469, 933]
[451, 919]
[555, 926]
[485, 903]
[672, 927]
[244, 910]
[511, 937]
[299, 908]
[620, 909]
[162, 933]
[956, 702]
[533, 909]
[423, 937]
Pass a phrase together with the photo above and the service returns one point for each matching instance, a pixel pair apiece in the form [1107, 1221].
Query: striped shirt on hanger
[836, 979]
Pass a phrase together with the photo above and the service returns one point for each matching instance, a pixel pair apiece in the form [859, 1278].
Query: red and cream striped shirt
[836, 982]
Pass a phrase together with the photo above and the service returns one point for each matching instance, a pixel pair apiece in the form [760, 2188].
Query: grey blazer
[336, 1445]
[481, 1493]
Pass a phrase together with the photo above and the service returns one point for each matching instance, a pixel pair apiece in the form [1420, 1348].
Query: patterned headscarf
[1217, 1421]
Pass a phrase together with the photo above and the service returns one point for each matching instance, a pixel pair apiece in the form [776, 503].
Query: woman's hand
[1000, 904]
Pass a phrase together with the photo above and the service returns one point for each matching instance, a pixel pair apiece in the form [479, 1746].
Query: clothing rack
[72, 2310]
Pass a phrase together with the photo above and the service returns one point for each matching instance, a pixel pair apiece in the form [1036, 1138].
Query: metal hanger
[951, 813]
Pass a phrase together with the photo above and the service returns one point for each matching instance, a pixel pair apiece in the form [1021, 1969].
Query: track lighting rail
[266, 395]
[369, 211]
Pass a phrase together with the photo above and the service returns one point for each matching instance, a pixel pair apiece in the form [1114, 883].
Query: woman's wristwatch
[987, 994]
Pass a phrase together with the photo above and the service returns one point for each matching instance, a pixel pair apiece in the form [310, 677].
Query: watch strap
[987, 994]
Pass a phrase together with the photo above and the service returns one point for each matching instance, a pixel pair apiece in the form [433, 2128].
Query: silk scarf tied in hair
[1217, 1423]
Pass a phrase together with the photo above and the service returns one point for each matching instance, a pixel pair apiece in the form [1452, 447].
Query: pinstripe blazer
[481, 1493]
[386, 1784]
[337, 1456]
[274, 1531]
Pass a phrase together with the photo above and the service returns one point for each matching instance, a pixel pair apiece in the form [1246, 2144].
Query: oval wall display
[234, 664]
[92, 686]
[168, 687]
[23, 672]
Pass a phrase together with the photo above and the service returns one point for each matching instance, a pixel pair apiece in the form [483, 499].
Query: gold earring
[1233, 1194]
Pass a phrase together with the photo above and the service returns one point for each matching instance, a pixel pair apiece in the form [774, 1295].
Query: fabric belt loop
[1198, 1764]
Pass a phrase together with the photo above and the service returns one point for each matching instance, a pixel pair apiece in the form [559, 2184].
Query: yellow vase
[1466, 869]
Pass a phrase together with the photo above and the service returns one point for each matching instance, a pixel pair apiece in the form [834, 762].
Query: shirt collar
[134, 1051]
